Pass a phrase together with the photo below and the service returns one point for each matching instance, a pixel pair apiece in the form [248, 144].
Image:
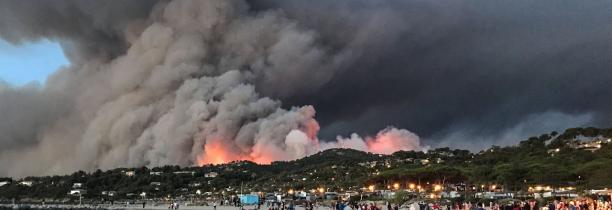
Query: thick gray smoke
[463, 73]
[178, 86]
[193, 82]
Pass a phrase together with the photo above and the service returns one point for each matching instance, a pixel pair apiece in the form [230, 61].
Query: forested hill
[578, 157]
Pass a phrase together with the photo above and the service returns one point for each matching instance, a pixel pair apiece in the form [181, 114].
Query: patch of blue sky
[30, 61]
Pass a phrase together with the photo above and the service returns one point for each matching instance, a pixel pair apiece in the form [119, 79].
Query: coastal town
[440, 177]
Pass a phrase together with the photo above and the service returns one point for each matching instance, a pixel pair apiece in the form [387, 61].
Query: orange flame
[387, 141]
[215, 152]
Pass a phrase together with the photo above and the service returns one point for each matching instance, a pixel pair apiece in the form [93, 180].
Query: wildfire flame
[216, 153]
[386, 141]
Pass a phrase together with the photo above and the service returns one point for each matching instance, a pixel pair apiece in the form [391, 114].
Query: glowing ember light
[216, 153]
[312, 129]
[391, 140]
[302, 141]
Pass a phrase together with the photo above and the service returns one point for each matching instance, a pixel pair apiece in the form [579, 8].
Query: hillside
[578, 157]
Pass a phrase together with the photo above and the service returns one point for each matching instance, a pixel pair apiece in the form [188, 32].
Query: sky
[28, 62]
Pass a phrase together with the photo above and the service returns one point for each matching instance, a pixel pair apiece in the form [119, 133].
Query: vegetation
[550, 159]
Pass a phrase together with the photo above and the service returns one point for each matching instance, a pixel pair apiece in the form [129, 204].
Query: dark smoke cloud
[479, 67]
[153, 83]
[93, 27]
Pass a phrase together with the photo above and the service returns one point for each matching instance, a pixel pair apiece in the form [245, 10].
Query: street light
[412, 186]
[371, 188]
[396, 186]
[437, 187]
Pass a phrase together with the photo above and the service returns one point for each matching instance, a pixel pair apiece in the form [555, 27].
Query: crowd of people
[362, 206]
[562, 204]
[511, 204]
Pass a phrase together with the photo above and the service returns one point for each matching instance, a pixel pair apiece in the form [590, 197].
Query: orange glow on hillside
[382, 145]
[216, 153]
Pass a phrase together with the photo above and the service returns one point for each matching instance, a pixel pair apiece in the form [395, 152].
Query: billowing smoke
[387, 141]
[195, 82]
[172, 83]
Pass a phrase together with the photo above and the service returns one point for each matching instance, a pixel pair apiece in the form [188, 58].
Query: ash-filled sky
[149, 83]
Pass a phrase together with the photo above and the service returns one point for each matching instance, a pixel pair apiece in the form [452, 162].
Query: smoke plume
[197, 82]
[179, 85]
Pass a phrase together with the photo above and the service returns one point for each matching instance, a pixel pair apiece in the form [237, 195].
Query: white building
[4, 183]
[451, 194]
[77, 185]
[109, 193]
[27, 183]
[129, 173]
[211, 174]
[77, 192]
[184, 172]
[195, 184]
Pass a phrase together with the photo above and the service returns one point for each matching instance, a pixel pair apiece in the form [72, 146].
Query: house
[26, 183]
[77, 192]
[211, 174]
[553, 151]
[424, 161]
[451, 194]
[195, 184]
[77, 185]
[109, 193]
[155, 173]
[4, 183]
[184, 172]
[129, 173]
[589, 146]
[156, 183]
